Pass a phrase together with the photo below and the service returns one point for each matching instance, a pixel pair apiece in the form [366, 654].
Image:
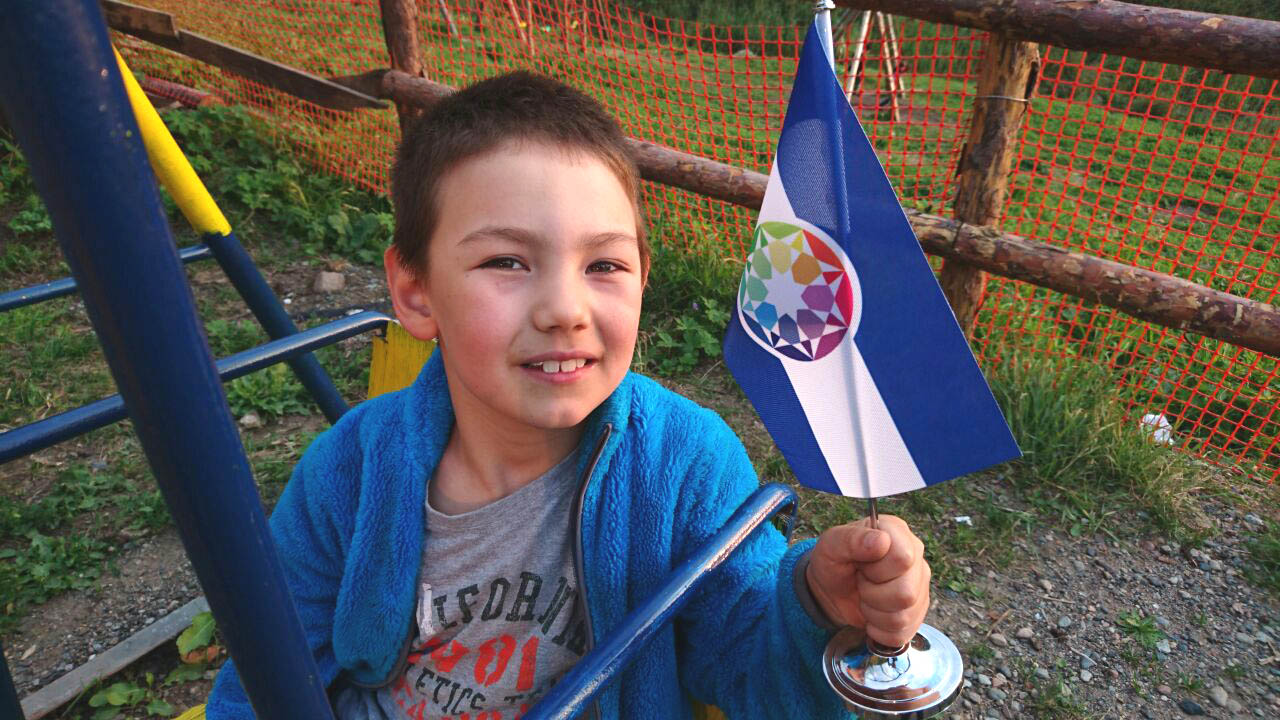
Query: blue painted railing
[63, 96]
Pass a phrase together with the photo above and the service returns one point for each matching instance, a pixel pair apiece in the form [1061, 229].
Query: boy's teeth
[554, 366]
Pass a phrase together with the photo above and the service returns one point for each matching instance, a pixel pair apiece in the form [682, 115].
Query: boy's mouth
[558, 366]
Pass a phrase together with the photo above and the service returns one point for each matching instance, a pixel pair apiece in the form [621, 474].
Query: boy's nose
[561, 304]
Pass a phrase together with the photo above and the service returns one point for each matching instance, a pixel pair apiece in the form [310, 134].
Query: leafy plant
[270, 392]
[115, 698]
[1141, 628]
[691, 286]
[264, 187]
[198, 635]
[1052, 699]
[695, 337]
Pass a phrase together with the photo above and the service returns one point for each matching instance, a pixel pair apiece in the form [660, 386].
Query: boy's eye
[503, 263]
[604, 266]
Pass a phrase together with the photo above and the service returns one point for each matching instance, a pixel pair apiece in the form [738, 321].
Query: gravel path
[1047, 633]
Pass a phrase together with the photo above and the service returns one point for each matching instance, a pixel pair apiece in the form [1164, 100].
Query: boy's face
[533, 286]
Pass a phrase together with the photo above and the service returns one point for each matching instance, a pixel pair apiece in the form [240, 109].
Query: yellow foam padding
[170, 165]
[702, 712]
[397, 359]
[195, 713]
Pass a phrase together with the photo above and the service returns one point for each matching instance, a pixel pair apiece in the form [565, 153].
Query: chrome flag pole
[923, 677]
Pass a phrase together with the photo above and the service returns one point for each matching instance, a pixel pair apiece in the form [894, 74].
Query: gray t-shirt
[499, 620]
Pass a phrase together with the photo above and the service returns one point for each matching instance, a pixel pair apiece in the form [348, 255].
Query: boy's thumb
[864, 544]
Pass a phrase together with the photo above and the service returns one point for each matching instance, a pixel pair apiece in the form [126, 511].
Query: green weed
[981, 651]
[270, 392]
[44, 567]
[1191, 684]
[1141, 628]
[114, 699]
[265, 191]
[1264, 549]
[687, 303]
[17, 188]
[227, 337]
[59, 542]
[1052, 700]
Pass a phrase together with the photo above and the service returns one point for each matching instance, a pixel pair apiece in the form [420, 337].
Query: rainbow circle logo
[797, 295]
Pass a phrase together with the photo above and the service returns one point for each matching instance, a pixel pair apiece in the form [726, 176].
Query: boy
[455, 547]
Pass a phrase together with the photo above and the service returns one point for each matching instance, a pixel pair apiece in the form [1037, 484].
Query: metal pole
[47, 432]
[822, 16]
[574, 692]
[15, 299]
[822, 20]
[10, 708]
[62, 91]
[262, 301]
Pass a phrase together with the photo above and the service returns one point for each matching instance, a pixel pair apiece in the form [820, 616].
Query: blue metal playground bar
[15, 299]
[10, 707]
[266, 307]
[36, 436]
[586, 678]
[62, 92]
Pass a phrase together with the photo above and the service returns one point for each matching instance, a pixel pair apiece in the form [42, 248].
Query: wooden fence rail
[1232, 44]
[1182, 37]
[1153, 296]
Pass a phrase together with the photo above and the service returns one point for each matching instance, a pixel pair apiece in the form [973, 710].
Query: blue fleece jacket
[349, 528]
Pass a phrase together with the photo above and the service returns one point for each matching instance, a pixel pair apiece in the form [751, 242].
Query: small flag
[842, 339]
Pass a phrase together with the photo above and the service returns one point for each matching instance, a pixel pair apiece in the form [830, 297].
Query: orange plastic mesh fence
[1164, 167]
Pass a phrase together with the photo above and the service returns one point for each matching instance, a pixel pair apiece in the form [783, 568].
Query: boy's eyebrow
[524, 237]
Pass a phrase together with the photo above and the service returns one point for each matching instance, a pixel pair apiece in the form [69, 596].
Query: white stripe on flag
[827, 390]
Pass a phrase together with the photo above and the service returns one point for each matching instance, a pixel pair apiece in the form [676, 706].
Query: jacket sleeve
[746, 643]
[311, 538]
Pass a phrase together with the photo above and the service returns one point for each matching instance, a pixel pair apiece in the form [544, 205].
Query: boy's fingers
[853, 543]
[895, 628]
[904, 552]
[899, 593]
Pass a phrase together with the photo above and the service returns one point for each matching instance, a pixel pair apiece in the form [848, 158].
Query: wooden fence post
[400, 30]
[1006, 82]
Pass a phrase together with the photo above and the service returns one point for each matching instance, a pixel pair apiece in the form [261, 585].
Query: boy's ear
[409, 298]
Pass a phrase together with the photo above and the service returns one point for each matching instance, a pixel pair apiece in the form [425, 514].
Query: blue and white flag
[842, 339]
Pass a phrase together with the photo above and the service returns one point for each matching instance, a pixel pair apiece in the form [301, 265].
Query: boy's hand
[873, 579]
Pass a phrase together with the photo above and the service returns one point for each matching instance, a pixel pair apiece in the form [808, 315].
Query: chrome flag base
[915, 682]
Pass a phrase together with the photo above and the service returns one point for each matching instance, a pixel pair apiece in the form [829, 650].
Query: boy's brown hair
[519, 106]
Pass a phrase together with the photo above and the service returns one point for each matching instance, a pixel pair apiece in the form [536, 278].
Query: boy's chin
[560, 419]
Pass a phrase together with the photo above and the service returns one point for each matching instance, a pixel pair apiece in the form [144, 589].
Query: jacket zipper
[578, 563]
[402, 660]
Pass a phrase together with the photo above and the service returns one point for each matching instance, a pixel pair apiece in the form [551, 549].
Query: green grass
[1142, 628]
[1083, 460]
[1264, 549]
[687, 301]
[1052, 699]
